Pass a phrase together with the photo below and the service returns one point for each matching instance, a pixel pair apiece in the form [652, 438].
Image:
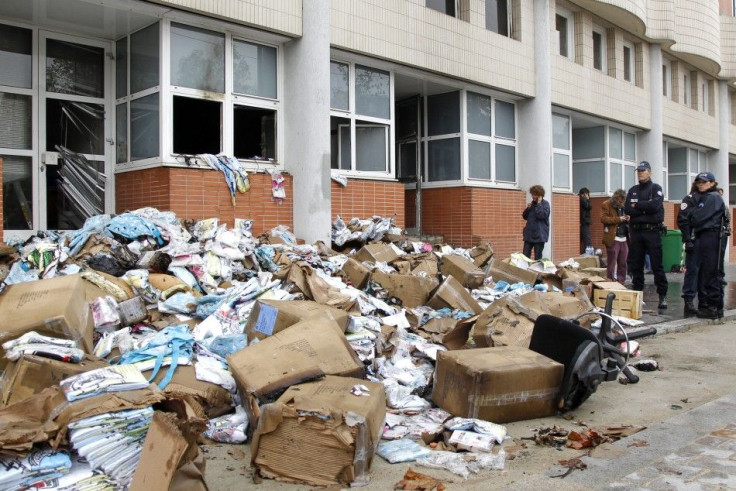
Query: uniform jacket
[537, 222]
[687, 206]
[649, 201]
[610, 218]
[710, 212]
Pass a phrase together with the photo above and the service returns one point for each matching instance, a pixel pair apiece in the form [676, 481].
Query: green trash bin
[671, 249]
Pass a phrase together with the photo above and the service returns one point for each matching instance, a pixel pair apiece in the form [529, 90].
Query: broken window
[197, 124]
[197, 58]
[79, 126]
[254, 133]
[339, 86]
[77, 69]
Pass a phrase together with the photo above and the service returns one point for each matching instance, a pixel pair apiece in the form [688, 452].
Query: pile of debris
[142, 336]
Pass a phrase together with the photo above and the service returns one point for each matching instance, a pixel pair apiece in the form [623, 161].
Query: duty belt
[645, 226]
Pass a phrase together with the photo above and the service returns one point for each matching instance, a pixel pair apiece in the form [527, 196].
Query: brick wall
[203, 193]
[565, 231]
[363, 199]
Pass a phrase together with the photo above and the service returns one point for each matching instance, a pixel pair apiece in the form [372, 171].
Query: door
[75, 132]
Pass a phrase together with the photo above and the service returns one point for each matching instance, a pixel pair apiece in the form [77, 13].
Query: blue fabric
[133, 226]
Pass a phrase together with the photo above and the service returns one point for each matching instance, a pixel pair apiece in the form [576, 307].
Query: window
[563, 26]
[667, 79]
[629, 62]
[498, 17]
[491, 132]
[562, 156]
[599, 49]
[684, 164]
[621, 159]
[445, 6]
[361, 122]
[686, 89]
[589, 158]
[706, 97]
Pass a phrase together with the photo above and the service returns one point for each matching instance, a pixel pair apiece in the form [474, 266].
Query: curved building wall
[661, 20]
[628, 14]
[728, 47]
[683, 123]
[697, 33]
[409, 33]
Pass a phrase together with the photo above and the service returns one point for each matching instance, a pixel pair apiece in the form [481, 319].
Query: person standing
[690, 281]
[645, 206]
[536, 230]
[708, 221]
[615, 235]
[585, 207]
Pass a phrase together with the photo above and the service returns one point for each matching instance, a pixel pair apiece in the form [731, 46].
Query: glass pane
[17, 193]
[629, 176]
[693, 161]
[121, 68]
[408, 161]
[505, 163]
[561, 171]
[339, 88]
[336, 141]
[497, 16]
[561, 27]
[75, 191]
[627, 63]
[615, 144]
[144, 58]
[479, 114]
[254, 133]
[615, 177]
[16, 48]
[443, 160]
[73, 68]
[407, 119]
[629, 147]
[16, 128]
[372, 92]
[345, 147]
[197, 58]
[702, 161]
[76, 126]
[678, 186]
[505, 120]
[597, 52]
[144, 135]
[590, 175]
[677, 160]
[444, 6]
[121, 133]
[370, 148]
[479, 159]
[588, 143]
[254, 69]
[443, 113]
[560, 132]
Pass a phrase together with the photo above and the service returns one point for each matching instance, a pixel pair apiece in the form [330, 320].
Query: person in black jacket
[536, 231]
[645, 206]
[690, 281]
[585, 207]
[709, 221]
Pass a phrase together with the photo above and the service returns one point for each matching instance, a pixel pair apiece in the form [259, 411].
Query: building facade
[441, 113]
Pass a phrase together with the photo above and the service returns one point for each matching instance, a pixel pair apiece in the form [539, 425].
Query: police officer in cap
[708, 221]
[645, 206]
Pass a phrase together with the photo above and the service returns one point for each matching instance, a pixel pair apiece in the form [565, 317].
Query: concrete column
[718, 159]
[650, 142]
[306, 122]
[535, 117]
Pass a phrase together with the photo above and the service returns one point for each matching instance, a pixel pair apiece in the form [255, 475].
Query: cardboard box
[502, 270]
[628, 303]
[481, 254]
[410, 289]
[356, 273]
[213, 399]
[374, 253]
[334, 432]
[31, 374]
[453, 295]
[601, 272]
[463, 270]
[271, 316]
[587, 261]
[55, 307]
[500, 385]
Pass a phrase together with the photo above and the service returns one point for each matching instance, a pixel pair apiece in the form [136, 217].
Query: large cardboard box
[333, 431]
[374, 253]
[502, 270]
[31, 374]
[500, 385]
[411, 290]
[271, 316]
[454, 295]
[213, 399]
[55, 307]
[463, 270]
[356, 273]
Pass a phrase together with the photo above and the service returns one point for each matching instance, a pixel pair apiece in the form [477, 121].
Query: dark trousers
[538, 247]
[646, 242]
[710, 288]
[585, 239]
[690, 281]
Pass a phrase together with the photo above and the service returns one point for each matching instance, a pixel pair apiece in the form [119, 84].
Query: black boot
[690, 309]
[707, 313]
[662, 302]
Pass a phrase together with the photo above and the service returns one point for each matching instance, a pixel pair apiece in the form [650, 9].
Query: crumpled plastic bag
[464, 464]
[230, 428]
[396, 451]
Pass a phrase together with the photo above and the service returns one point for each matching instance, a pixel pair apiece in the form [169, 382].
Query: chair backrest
[559, 339]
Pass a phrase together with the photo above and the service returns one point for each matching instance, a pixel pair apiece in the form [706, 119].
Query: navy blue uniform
[690, 281]
[707, 221]
[645, 227]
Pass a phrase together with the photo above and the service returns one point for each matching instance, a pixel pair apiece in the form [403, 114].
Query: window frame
[456, 7]
[570, 32]
[631, 65]
[562, 151]
[603, 49]
[686, 92]
[493, 140]
[705, 88]
[627, 165]
[509, 20]
[667, 78]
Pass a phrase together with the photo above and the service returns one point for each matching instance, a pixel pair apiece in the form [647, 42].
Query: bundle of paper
[108, 379]
[112, 442]
[81, 477]
[41, 464]
[32, 343]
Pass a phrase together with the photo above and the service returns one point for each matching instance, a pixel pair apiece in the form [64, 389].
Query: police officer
[707, 221]
[645, 206]
[690, 281]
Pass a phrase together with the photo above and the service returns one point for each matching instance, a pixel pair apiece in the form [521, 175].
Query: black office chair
[590, 356]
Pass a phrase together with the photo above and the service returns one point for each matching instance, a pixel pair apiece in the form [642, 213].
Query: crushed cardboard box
[213, 399]
[453, 295]
[375, 253]
[335, 430]
[411, 290]
[463, 270]
[356, 273]
[269, 317]
[500, 385]
[504, 270]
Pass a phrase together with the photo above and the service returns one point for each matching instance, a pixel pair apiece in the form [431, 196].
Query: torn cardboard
[373, 253]
[356, 273]
[213, 399]
[453, 295]
[503, 270]
[481, 254]
[269, 317]
[411, 290]
[463, 270]
[335, 432]
[500, 385]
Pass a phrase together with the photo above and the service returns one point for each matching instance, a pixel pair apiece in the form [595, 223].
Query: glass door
[75, 131]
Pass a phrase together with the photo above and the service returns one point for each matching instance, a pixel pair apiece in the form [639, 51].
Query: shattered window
[78, 126]
[254, 69]
[197, 58]
[76, 69]
[339, 85]
[254, 133]
[197, 125]
[372, 92]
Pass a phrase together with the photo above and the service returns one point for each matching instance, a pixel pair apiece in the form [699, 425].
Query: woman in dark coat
[536, 231]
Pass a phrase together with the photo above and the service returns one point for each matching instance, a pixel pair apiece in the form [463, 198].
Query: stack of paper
[108, 379]
[81, 477]
[41, 464]
[112, 442]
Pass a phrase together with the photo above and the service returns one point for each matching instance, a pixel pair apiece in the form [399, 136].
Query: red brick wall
[565, 231]
[363, 199]
[203, 193]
